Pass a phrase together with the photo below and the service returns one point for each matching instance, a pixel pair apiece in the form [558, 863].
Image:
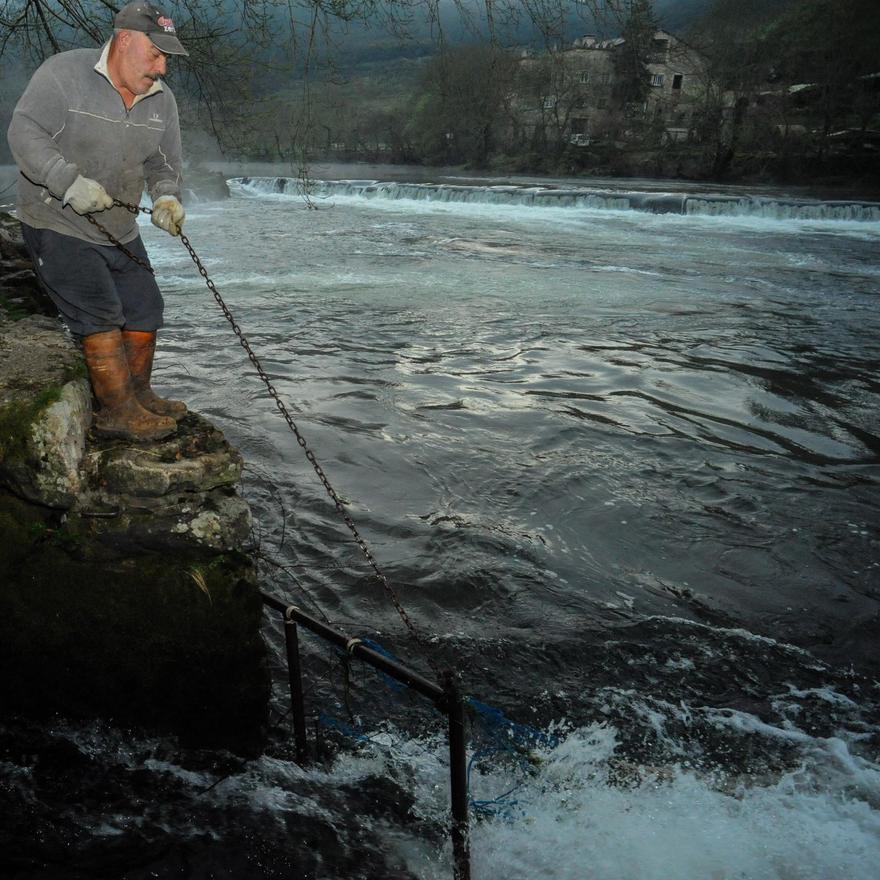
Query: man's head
[134, 62]
[143, 39]
[152, 21]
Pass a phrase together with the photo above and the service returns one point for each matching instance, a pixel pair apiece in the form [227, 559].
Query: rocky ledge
[126, 586]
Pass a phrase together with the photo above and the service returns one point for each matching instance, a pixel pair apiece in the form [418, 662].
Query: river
[615, 445]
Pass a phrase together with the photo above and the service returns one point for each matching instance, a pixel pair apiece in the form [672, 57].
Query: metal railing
[446, 699]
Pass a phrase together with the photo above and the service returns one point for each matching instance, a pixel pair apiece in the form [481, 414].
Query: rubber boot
[140, 346]
[120, 415]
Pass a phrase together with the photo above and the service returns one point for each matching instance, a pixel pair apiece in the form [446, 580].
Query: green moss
[76, 370]
[16, 419]
[66, 538]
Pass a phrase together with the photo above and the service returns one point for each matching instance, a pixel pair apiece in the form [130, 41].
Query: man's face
[140, 63]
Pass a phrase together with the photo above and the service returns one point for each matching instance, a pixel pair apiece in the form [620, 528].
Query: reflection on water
[576, 403]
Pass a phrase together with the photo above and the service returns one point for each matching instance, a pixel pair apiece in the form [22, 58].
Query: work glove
[168, 214]
[86, 196]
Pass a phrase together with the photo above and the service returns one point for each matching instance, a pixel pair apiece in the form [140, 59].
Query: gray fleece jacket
[70, 121]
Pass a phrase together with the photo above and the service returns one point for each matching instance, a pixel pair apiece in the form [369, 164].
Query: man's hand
[168, 214]
[86, 196]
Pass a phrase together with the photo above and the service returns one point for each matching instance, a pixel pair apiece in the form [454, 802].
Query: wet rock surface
[160, 495]
[168, 495]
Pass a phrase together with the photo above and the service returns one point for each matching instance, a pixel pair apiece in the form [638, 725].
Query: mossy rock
[17, 419]
[45, 410]
[124, 589]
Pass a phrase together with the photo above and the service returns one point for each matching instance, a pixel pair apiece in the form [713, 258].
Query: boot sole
[145, 437]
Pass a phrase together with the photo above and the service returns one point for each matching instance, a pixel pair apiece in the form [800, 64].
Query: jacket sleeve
[38, 118]
[162, 169]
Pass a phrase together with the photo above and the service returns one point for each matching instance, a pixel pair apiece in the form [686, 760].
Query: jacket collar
[101, 67]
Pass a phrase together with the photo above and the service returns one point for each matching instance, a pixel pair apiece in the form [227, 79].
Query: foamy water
[575, 809]
[582, 197]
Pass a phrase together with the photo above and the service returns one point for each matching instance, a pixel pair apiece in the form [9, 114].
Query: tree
[460, 114]
[732, 36]
[241, 51]
[631, 76]
[831, 46]
[778, 66]
[548, 95]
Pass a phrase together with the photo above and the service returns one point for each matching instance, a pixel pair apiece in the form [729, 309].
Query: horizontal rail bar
[357, 649]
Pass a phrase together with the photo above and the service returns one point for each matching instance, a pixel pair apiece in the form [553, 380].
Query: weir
[584, 198]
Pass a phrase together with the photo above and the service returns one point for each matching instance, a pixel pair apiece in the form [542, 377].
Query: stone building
[571, 95]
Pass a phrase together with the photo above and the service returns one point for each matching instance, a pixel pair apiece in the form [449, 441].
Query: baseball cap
[149, 19]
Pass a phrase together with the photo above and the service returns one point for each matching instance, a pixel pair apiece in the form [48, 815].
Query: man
[94, 125]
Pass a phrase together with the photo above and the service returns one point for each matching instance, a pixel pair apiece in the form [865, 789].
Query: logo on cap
[164, 22]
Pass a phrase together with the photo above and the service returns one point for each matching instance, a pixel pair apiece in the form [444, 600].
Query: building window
[606, 79]
[656, 79]
[676, 81]
[584, 78]
[549, 103]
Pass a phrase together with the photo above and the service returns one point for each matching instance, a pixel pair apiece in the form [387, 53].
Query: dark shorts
[95, 287]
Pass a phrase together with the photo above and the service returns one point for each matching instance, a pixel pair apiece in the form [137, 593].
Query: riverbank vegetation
[753, 91]
[769, 90]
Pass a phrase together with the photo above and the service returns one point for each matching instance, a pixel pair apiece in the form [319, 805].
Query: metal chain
[132, 209]
[279, 404]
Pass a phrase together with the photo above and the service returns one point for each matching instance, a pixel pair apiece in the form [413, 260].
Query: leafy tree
[782, 65]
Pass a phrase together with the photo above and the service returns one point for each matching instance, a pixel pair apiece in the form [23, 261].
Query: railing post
[458, 782]
[294, 673]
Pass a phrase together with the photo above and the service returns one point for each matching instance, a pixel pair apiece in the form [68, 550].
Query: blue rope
[521, 734]
[497, 806]
[393, 683]
[326, 720]
[504, 736]
[510, 738]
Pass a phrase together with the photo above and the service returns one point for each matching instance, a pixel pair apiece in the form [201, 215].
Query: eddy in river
[91, 126]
